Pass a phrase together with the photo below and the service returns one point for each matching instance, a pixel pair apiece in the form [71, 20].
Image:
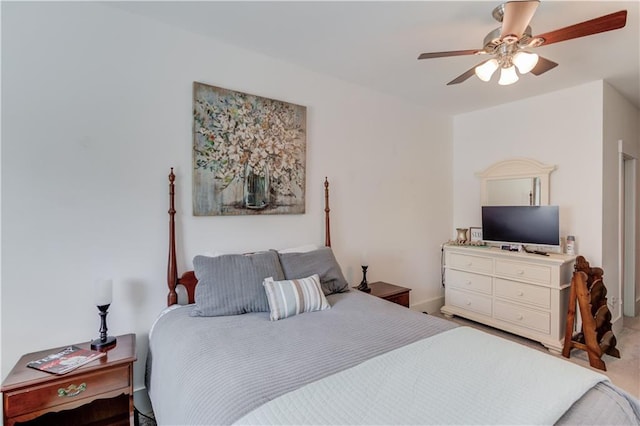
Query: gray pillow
[231, 284]
[321, 262]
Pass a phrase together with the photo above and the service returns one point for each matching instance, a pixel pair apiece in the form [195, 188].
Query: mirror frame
[513, 169]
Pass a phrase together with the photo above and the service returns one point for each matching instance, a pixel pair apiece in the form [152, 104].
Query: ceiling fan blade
[602, 24]
[517, 15]
[465, 76]
[450, 53]
[543, 66]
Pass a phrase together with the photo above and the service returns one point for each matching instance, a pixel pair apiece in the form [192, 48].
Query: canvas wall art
[249, 153]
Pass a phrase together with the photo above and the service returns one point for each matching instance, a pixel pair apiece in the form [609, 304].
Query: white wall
[97, 107]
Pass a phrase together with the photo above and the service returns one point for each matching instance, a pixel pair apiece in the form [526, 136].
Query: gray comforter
[214, 370]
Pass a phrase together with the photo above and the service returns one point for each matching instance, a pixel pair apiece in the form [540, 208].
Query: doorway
[630, 296]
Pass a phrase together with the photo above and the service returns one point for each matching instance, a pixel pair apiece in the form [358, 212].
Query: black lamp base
[364, 286]
[100, 345]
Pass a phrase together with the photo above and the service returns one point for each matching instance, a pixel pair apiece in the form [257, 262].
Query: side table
[98, 392]
[391, 292]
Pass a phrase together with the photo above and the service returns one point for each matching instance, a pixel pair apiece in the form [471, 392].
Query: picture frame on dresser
[475, 234]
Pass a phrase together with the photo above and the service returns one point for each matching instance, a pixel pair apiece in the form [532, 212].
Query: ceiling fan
[508, 43]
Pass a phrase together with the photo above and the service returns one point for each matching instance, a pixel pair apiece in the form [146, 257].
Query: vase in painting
[256, 187]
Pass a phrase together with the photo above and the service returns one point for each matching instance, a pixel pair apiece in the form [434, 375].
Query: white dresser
[524, 294]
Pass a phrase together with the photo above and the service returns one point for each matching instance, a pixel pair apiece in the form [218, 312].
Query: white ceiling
[376, 44]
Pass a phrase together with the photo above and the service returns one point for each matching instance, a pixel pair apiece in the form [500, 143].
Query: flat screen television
[537, 225]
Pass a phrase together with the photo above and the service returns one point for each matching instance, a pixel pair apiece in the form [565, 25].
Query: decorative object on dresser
[392, 293]
[517, 292]
[475, 234]
[571, 245]
[461, 235]
[104, 292]
[249, 153]
[596, 336]
[100, 392]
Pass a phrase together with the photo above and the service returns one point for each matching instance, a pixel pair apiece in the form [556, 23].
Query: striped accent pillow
[292, 297]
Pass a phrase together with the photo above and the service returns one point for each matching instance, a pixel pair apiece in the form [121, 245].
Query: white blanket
[461, 376]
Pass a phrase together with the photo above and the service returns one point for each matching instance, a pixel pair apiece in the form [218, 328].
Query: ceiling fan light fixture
[486, 70]
[508, 76]
[525, 61]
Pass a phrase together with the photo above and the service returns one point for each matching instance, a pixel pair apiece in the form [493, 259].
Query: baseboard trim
[430, 305]
[141, 400]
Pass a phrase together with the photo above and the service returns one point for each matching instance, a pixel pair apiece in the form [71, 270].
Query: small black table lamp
[364, 286]
[103, 300]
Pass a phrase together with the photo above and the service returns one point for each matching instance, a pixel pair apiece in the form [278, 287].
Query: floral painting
[248, 153]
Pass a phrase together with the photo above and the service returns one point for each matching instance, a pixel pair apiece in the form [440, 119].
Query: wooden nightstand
[390, 292]
[32, 396]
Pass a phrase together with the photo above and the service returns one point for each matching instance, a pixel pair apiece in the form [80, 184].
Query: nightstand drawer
[523, 293]
[470, 263]
[65, 390]
[400, 299]
[469, 301]
[468, 281]
[524, 271]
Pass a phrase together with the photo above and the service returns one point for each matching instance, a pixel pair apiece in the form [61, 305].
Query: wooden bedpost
[327, 231]
[172, 270]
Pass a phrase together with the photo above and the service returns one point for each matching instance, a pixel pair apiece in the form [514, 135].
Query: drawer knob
[72, 390]
[520, 272]
[468, 282]
[520, 316]
[468, 303]
[520, 293]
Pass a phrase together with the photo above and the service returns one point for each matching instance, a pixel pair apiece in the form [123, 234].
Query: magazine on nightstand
[66, 360]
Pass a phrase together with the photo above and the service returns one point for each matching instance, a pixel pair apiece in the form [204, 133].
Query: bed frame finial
[172, 270]
[327, 232]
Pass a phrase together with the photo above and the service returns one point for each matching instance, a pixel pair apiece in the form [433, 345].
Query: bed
[361, 360]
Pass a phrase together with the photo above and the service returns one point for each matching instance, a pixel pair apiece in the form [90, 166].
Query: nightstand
[390, 292]
[98, 392]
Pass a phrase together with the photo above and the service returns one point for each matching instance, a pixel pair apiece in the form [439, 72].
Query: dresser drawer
[469, 301]
[470, 263]
[79, 387]
[468, 281]
[524, 271]
[525, 317]
[523, 293]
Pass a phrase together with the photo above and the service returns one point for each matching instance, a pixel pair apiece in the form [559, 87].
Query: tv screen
[538, 225]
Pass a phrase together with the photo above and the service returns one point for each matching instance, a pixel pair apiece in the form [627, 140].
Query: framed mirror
[515, 182]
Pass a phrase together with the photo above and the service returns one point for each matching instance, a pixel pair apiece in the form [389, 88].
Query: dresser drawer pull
[72, 390]
[520, 316]
[468, 303]
[468, 283]
[520, 272]
[520, 293]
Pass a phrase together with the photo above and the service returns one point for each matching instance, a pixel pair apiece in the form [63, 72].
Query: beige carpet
[624, 372]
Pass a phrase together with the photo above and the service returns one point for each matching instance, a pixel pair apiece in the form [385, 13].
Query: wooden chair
[596, 337]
